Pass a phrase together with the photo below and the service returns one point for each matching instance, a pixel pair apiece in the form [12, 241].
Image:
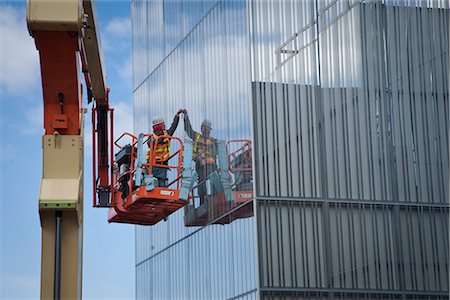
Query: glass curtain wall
[351, 118]
[194, 55]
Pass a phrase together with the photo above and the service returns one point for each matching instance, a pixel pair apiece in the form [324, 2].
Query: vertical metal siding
[351, 148]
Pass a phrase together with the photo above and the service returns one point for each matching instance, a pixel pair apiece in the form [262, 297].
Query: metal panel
[352, 192]
[338, 245]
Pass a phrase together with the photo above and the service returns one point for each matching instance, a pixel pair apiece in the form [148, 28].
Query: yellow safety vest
[162, 149]
[202, 145]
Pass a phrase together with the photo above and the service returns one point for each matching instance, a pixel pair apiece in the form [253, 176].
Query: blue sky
[109, 255]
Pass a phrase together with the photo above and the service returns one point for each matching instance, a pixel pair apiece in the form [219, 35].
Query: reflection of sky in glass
[205, 74]
[209, 264]
[322, 110]
[193, 55]
[357, 64]
[289, 42]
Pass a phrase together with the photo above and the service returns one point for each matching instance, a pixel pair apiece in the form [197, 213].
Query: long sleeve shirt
[174, 125]
[188, 128]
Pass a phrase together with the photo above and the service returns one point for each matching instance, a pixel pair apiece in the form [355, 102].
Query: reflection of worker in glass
[162, 148]
[204, 153]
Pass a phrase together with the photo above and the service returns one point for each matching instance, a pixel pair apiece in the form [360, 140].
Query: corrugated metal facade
[348, 105]
[351, 145]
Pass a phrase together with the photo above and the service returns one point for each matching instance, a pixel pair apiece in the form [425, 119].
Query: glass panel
[198, 60]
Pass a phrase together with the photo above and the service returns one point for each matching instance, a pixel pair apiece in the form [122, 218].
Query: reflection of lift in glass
[231, 188]
[136, 196]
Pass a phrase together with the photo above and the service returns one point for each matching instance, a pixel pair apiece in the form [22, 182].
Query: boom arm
[95, 81]
[66, 38]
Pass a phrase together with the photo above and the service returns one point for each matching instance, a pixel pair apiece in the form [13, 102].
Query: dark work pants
[203, 172]
[160, 174]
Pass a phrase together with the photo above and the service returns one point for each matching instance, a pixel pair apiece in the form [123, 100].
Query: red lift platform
[216, 208]
[138, 203]
[240, 165]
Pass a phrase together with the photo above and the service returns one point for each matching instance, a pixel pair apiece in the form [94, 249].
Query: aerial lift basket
[136, 196]
[235, 157]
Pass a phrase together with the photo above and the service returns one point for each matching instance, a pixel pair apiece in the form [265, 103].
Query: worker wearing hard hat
[162, 148]
[204, 153]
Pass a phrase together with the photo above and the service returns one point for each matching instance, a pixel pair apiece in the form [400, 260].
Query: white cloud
[33, 122]
[123, 118]
[121, 74]
[117, 35]
[19, 60]
[119, 27]
[123, 122]
[126, 70]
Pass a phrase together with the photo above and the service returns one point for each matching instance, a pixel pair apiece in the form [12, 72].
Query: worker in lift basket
[204, 153]
[162, 149]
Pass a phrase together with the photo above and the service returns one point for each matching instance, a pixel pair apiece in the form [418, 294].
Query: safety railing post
[131, 171]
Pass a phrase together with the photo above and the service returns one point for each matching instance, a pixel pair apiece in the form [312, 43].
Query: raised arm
[174, 125]
[188, 127]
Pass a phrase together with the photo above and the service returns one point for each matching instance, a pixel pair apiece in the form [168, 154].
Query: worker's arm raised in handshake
[188, 127]
[175, 121]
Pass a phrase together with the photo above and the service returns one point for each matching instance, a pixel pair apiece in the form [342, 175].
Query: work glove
[181, 111]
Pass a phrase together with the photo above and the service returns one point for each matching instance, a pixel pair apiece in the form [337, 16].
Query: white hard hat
[157, 120]
[206, 123]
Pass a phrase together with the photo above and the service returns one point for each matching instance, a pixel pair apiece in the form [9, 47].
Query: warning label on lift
[247, 196]
[167, 193]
